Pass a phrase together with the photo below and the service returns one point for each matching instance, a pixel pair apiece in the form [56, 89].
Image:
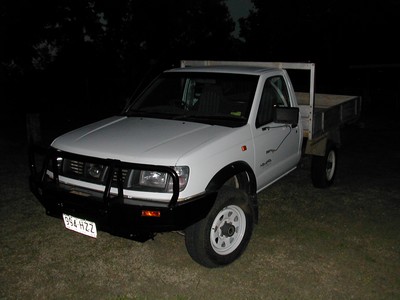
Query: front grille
[98, 171]
[90, 172]
[124, 175]
[76, 167]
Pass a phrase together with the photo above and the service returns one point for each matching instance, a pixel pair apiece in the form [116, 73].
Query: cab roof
[247, 70]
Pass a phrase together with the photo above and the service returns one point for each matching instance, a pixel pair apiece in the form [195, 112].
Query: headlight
[153, 179]
[95, 170]
[160, 180]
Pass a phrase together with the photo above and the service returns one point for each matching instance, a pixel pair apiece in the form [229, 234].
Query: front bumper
[114, 213]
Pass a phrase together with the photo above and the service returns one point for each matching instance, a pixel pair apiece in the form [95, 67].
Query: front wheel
[222, 236]
[323, 168]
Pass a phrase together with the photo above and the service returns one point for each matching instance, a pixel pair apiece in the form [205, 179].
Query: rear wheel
[323, 168]
[222, 236]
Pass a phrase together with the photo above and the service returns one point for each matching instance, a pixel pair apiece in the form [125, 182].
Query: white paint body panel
[206, 149]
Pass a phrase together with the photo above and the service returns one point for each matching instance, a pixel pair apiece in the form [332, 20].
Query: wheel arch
[318, 146]
[243, 176]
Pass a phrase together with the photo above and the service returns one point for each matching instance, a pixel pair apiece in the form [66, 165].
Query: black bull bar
[110, 212]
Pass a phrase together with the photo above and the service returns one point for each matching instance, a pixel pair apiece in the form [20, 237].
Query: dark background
[71, 62]
[65, 63]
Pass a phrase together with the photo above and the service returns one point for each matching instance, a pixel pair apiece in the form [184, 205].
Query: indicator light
[151, 213]
[244, 148]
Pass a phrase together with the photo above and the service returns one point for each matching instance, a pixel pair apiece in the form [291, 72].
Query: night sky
[239, 9]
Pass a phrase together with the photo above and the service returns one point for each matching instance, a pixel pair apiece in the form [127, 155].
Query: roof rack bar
[280, 65]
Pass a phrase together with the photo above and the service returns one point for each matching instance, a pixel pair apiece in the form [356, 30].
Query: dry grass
[339, 243]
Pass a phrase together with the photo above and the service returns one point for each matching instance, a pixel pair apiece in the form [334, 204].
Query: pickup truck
[191, 153]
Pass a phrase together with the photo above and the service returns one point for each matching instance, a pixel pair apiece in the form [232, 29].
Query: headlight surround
[161, 180]
[133, 179]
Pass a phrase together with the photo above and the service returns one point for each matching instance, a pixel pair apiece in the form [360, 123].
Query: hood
[138, 140]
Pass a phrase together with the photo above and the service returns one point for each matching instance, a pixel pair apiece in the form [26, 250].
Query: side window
[274, 94]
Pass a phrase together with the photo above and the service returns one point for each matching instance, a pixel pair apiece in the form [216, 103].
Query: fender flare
[249, 184]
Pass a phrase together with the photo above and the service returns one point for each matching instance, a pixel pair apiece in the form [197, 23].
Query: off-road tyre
[222, 236]
[324, 168]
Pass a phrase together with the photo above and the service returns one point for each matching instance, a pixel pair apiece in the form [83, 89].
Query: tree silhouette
[114, 32]
[90, 50]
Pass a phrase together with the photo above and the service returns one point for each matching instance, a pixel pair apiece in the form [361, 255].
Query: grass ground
[337, 243]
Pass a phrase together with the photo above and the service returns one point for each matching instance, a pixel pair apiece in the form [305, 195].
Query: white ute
[191, 153]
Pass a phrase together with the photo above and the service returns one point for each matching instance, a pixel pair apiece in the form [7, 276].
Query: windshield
[212, 98]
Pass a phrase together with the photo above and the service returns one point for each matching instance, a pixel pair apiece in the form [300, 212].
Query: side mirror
[286, 115]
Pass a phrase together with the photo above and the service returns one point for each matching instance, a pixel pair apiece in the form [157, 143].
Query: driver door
[277, 146]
